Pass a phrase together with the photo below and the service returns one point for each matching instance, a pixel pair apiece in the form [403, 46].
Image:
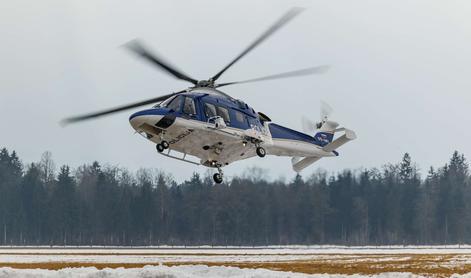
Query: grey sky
[400, 74]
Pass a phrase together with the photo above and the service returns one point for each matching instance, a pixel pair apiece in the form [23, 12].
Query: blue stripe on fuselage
[152, 111]
[281, 132]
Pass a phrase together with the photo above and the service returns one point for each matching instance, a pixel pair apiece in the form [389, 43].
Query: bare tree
[48, 168]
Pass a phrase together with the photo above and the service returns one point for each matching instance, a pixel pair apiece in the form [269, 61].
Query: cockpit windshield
[164, 103]
[175, 104]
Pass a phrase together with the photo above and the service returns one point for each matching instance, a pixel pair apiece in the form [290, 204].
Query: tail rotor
[323, 130]
[310, 127]
[325, 112]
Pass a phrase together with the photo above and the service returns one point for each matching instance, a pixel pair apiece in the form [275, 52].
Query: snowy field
[271, 261]
[196, 271]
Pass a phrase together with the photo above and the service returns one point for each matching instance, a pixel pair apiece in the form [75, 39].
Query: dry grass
[437, 265]
[427, 265]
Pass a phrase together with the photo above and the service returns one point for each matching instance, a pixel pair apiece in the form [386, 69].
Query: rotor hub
[206, 83]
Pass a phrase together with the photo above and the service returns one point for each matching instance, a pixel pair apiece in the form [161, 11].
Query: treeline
[96, 205]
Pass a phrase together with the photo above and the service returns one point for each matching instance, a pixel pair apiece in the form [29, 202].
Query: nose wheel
[165, 144]
[162, 146]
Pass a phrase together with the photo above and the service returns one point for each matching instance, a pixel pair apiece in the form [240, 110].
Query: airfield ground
[431, 261]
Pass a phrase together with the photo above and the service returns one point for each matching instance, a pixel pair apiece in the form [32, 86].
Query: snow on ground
[444, 260]
[132, 258]
[194, 271]
[205, 254]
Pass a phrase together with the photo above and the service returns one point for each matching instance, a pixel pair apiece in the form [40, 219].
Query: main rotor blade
[302, 72]
[136, 47]
[115, 110]
[277, 25]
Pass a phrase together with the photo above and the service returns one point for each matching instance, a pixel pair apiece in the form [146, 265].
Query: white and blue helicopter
[204, 126]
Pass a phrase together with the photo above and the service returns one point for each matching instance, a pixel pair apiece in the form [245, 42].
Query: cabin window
[175, 104]
[239, 117]
[209, 110]
[255, 124]
[189, 106]
[223, 113]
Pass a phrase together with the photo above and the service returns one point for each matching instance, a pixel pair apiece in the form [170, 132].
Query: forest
[41, 204]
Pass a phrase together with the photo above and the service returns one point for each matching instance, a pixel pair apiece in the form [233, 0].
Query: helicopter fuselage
[207, 124]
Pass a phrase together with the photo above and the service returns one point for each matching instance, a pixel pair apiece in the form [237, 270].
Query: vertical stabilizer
[325, 135]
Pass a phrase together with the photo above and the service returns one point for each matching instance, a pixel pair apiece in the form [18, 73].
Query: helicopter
[204, 126]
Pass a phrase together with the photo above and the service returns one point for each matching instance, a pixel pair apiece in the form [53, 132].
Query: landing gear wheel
[217, 178]
[165, 144]
[261, 152]
[160, 148]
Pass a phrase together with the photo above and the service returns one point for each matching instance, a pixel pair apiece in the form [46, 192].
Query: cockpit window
[223, 113]
[209, 110]
[240, 117]
[176, 103]
[189, 106]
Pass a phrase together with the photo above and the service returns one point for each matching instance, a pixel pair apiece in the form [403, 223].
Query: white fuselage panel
[202, 140]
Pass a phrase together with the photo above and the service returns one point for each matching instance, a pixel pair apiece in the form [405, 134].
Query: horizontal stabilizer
[348, 136]
[300, 163]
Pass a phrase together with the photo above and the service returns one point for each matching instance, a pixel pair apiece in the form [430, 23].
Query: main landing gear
[261, 151]
[162, 146]
[218, 176]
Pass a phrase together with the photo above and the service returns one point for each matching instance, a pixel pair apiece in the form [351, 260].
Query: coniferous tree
[107, 205]
[63, 208]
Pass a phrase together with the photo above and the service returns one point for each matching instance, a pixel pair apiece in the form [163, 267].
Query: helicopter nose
[150, 116]
[135, 120]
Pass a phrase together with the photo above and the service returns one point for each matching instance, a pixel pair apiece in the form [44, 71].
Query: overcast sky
[400, 76]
